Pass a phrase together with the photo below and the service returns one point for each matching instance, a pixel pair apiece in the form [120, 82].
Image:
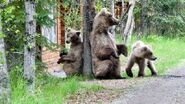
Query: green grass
[48, 90]
[170, 52]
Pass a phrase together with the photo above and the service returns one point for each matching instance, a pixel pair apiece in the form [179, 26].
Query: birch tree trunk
[88, 16]
[29, 48]
[144, 19]
[5, 91]
[122, 22]
[113, 14]
[130, 23]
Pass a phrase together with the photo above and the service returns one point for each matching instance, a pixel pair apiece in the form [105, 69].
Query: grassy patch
[170, 52]
[48, 90]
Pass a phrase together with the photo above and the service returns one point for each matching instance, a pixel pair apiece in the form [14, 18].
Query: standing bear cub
[73, 60]
[105, 53]
[142, 55]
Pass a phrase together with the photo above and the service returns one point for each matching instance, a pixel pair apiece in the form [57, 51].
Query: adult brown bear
[105, 52]
[142, 54]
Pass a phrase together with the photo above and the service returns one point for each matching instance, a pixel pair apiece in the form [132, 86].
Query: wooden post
[29, 48]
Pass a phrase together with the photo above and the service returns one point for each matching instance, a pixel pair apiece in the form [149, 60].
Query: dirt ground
[166, 89]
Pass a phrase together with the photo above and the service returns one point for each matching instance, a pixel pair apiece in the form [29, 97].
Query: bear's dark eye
[150, 53]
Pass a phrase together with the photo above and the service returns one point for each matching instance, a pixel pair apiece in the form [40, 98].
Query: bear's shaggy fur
[73, 60]
[105, 53]
[142, 55]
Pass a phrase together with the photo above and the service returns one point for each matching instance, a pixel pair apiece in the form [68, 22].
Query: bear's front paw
[115, 55]
[154, 74]
[141, 75]
[122, 49]
[120, 77]
[129, 73]
[60, 61]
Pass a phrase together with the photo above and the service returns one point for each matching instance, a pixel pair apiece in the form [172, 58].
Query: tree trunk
[130, 23]
[5, 92]
[29, 48]
[144, 17]
[113, 14]
[88, 16]
[122, 23]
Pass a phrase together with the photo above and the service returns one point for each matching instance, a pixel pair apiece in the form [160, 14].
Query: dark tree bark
[5, 92]
[29, 48]
[144, 17]
[88, 16]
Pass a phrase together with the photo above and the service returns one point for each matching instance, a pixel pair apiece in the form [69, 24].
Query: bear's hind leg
[102, 69]
[115, 72]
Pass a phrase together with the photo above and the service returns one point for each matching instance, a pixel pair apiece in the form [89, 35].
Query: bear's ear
[78, 33]
[144, 48]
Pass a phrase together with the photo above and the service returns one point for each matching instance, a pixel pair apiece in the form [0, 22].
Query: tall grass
[170, 51]
[49, 90]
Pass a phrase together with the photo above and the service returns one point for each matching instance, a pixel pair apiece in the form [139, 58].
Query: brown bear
[105, 53]
[73, 60]
[142, 55]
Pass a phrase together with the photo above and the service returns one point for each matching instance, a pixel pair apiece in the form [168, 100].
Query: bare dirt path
[167, 89]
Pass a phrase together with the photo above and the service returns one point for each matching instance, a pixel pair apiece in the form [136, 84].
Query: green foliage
[13, 23]
[72, 15]
[166, 17]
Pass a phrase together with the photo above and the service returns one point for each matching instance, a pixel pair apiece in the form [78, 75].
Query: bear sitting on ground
[73, 60]
[142, 55]
[105, 53]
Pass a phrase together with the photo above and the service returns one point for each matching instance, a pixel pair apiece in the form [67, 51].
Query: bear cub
[142, 55]
[73, 59]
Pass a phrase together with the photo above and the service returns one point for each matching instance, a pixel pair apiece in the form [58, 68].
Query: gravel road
[167, 89]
